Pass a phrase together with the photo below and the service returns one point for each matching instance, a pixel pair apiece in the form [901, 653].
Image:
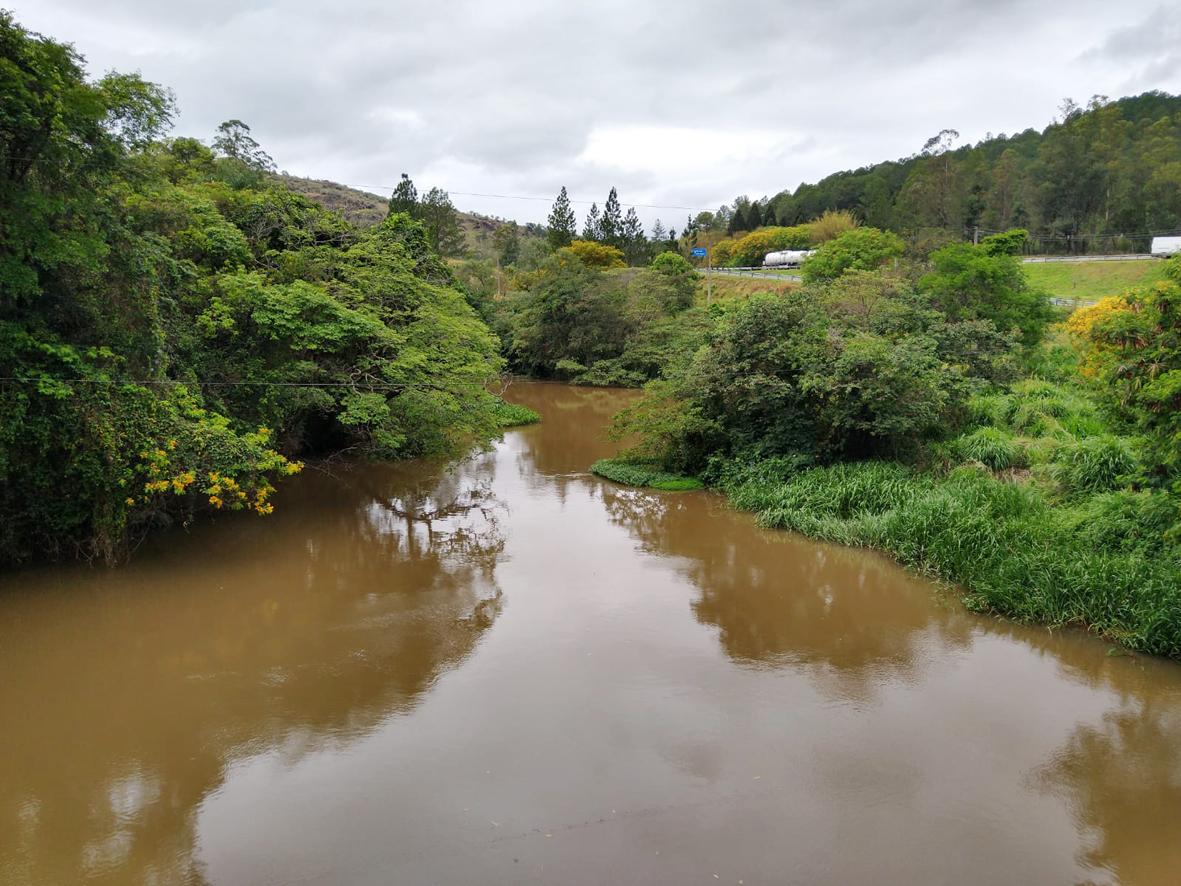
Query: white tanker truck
[788, 258]
[1163, 247]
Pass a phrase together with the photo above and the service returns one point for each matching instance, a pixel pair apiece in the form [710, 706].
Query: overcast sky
[681, 104]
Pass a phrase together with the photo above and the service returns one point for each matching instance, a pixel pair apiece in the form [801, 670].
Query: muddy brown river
[509, 671]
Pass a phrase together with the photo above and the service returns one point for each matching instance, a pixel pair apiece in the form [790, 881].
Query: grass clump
[637, 474]
[1104, 564]
[511, 415]
[992, 447]
[1094, 464]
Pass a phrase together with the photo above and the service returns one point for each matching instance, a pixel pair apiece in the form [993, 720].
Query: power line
[524, 197]
[165, 382]
[1115, 236]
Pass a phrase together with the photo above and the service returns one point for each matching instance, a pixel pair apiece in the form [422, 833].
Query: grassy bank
[1004, 544]
[632, 474]
[1092, 280]
[1035, 513]
[511, 415]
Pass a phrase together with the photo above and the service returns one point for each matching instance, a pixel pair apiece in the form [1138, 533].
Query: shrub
[860, 248]
[992, 447]
[751, 249]
[1094, 464]
[637, 474]
[970, 283]
[671, 263]
[830, 225]
[594, 255]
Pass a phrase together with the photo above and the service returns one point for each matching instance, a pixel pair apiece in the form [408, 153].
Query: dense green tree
[405, 197]
[439, 217]
[986, 283]
[611, 224]
[1089, 181]
[507, 242]
[562, 224]
[592, 229]
[234, 142]
[634, 243]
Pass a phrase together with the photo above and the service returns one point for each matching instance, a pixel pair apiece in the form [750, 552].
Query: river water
[512, 672]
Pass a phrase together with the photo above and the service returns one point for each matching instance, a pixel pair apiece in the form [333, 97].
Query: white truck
[1163, 247]
[788, 258]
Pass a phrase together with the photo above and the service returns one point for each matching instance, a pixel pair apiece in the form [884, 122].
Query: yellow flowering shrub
[1080, 324]
[1082, 320]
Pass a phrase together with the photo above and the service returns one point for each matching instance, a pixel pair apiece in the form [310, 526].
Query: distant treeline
[1104, 177]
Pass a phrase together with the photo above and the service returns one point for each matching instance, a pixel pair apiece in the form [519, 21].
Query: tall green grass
[634, 474]
[992, 447]
[510, 415]
[1103, 565]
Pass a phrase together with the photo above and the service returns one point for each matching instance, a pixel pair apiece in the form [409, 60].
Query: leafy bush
[636, 474]
[830, 225]
[1142, 373]
[857, 249]
[749, 251]
[594, 255]
[971, 283]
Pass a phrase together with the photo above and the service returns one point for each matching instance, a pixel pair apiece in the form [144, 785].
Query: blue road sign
[698, 252]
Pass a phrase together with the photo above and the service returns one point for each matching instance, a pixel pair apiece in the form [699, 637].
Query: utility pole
[708, 277]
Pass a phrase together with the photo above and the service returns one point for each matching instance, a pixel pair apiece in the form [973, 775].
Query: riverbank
[1007, 548]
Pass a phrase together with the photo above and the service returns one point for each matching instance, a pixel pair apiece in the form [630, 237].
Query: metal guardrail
[760, 273]
[1038, 259]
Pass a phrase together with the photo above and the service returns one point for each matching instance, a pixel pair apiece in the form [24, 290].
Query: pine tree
[658, 232]
[405, 197]
[635, 245]
[611, 225]
[441, 221]
[754, 216]
[563, 225]
[737, 220]
[592, 230]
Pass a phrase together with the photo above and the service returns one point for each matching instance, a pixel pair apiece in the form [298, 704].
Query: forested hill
[1099, 176]
[364, 209]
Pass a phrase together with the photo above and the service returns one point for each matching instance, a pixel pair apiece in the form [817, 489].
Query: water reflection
[852, 617]
[306, 630]
[275, 701]
[1121, 779]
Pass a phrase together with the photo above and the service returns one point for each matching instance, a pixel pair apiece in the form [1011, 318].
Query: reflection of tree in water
[141, 687]
[777, 599]
[1122, 782]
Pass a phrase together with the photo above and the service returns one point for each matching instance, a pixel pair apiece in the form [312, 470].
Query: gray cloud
[1149, 49]
[681, 103]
